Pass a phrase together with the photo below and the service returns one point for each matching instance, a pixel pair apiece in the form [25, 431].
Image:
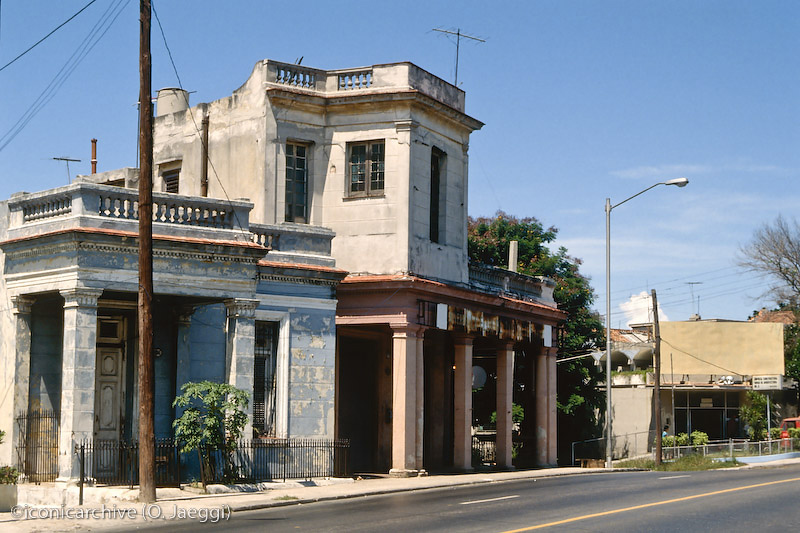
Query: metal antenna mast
[458, 35]
[67, 160]
[691, 285]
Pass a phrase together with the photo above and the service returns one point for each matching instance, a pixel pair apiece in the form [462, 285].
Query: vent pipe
[171, 100]
[94, 156]
[513, 255]
[204, 164]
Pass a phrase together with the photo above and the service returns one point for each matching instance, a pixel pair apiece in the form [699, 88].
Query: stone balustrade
[377, 78]
[91, 205]
[491, 279]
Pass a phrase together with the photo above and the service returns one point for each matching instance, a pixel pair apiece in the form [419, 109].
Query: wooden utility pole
[147, 486]
[657, 385]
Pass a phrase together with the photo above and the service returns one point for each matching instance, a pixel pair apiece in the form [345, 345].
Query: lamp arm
[635, 195]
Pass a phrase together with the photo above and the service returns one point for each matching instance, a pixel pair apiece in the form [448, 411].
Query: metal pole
[83, 473]
[608, 334]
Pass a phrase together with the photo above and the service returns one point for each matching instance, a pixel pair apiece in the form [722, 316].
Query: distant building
[707, 366]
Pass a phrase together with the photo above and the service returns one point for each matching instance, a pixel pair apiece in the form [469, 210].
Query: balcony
[85, 205]
[375, 79]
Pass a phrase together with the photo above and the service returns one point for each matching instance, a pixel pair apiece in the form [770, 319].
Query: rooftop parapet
[493, 280]
[375, 79]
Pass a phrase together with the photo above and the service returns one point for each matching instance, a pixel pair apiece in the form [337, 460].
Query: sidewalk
[118, 509]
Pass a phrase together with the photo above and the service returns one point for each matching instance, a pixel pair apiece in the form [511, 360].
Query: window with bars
[264, 382]
[296, 183]
[366, 168]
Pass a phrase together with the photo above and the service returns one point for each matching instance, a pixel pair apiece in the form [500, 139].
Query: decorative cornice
[282, 278]
[117, 249]
[80, 297]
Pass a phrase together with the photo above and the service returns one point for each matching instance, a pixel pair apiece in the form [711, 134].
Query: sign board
[769, 382]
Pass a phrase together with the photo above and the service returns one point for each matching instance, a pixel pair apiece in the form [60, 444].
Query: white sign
[771, 382]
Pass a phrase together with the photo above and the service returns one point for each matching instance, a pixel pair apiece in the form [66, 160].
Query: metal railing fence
[37, 448]
[117, 462]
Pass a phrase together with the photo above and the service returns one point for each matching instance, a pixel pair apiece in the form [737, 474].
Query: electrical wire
[37, 43]
[97, 32]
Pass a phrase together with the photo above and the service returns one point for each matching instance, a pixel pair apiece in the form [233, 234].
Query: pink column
[505, 383]
[542, 409]
[404, 401]
[462, 404]
[552, 413]
[420, 410]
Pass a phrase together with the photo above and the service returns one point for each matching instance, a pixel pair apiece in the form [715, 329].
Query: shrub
[794, 433]
[213, 420]
[775, 433]
[699, 438]
[682, 439]
[8, 475]
[669, 440]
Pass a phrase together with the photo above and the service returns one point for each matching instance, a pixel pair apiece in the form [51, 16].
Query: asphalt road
[721, 500]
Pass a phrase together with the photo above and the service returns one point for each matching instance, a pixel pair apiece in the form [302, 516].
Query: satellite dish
[478, 377]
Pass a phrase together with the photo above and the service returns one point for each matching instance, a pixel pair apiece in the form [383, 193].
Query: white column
[78, 360]
[462, 404]
[22, 365]
[505, 391]
[404, 399]
[240, 351]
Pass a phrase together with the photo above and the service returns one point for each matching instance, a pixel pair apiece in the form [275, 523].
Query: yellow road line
[646, 505]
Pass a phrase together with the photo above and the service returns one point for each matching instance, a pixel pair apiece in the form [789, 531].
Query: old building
[379, 155]
[227, 308]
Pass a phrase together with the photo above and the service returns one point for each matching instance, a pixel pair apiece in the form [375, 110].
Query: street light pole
[678, 182]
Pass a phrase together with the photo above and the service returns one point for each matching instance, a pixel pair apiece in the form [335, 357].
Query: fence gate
[37, 450]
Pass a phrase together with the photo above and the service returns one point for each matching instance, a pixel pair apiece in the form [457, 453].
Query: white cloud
[639, 309]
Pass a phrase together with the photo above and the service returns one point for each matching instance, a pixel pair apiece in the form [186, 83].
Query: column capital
[241, 307]
[407, 330]
[463, 339]
[80, 297]
[22, 304]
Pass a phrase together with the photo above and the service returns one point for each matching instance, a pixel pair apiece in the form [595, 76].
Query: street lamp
[679, 182]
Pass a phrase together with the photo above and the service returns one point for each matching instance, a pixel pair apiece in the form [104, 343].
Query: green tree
[579, 396]
[212, 421]
[754, 414]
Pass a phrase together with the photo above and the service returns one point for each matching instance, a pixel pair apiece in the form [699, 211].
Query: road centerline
[653, 504]
[490, 500]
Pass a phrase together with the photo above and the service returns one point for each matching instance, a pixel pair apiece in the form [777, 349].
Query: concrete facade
[707, 366]
[379, 155]
[69, 278]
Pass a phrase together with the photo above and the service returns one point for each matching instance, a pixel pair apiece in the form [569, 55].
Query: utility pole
[657, 385]
[67, 160]
[147, 486]
[458, 35]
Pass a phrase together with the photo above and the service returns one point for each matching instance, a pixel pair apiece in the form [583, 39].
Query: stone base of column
[398, 472]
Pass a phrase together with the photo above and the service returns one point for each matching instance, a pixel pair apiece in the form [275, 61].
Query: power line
[37, 43]
[97, 32]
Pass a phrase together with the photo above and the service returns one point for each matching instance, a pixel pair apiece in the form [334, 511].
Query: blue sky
[582, 100]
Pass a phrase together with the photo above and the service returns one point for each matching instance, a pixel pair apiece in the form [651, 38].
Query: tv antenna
[691, 285]
[67, 160]
[458, 35]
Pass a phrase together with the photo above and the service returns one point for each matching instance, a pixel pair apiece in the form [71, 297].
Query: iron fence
[734, 448]
[37, 448]
[484, 450]
[117, 462]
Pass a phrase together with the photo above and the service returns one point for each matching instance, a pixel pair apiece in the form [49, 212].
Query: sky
[581, 100]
